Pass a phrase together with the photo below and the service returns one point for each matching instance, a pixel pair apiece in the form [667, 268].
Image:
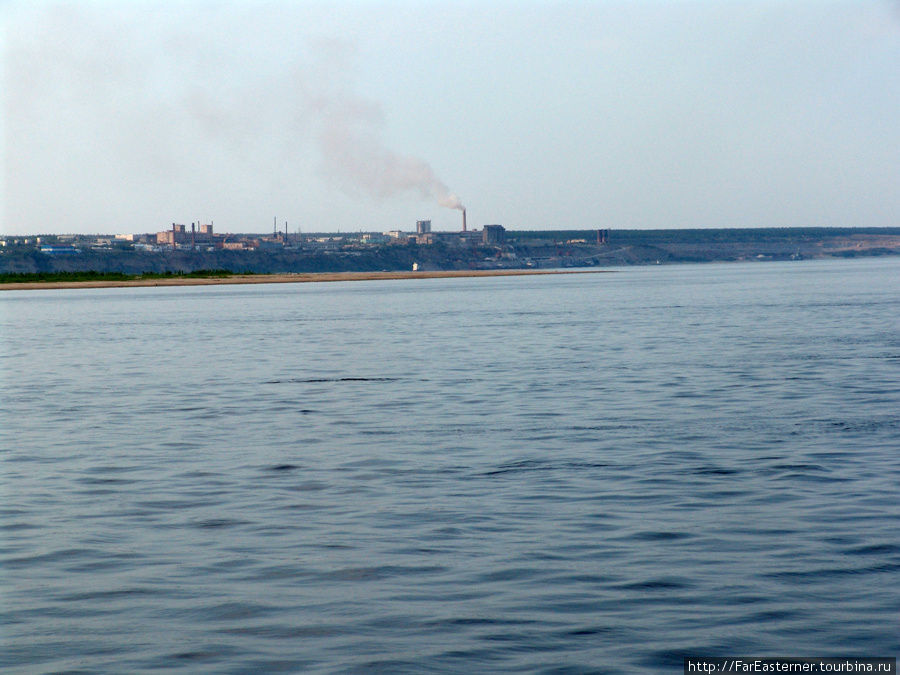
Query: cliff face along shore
[518, 250]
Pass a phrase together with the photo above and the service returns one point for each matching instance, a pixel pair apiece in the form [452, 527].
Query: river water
[579, 473]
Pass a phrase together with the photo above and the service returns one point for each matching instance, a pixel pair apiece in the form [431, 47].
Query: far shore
[285, 278]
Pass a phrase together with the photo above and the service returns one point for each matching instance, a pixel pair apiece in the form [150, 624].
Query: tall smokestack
[464, 220]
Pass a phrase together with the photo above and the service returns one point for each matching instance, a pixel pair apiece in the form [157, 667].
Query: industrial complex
[203, 237]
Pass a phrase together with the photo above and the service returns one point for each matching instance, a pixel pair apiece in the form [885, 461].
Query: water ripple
[557, 475]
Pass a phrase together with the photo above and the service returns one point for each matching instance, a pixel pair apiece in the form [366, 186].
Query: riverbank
[526, 250]
[282, 278]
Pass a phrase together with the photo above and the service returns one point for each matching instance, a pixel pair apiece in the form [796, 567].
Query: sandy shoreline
[284, 278]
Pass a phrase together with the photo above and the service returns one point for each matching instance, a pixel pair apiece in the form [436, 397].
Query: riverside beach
[283, 278]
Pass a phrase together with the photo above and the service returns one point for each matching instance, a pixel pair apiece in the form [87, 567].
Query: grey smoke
[350, 136]
[353, 153]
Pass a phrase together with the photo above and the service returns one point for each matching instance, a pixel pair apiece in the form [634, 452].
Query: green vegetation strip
[50, 277]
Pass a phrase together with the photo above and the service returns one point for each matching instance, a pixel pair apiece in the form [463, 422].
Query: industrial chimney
[464, 220]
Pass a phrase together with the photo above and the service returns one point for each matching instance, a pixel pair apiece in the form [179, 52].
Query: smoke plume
[353, 152]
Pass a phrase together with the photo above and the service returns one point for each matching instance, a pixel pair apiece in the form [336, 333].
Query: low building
[269, 244]
[147, 247]
[237, 246]
[59, 250]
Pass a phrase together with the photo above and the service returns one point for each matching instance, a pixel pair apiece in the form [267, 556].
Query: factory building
[179, 235]
[493, 234]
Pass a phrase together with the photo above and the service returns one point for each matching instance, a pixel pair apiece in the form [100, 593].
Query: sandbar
[285, 278]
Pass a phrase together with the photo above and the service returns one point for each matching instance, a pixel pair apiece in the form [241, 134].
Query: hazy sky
[339, 115]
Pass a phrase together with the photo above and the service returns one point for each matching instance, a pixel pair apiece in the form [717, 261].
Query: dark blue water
[574, 473]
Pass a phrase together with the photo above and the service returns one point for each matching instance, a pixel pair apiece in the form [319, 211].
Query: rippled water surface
[597, 472]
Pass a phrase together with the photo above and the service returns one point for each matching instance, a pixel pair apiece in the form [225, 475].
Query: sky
[368, 116]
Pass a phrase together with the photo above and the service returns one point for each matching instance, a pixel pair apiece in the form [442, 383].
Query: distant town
[184, 247]
[202, 237]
